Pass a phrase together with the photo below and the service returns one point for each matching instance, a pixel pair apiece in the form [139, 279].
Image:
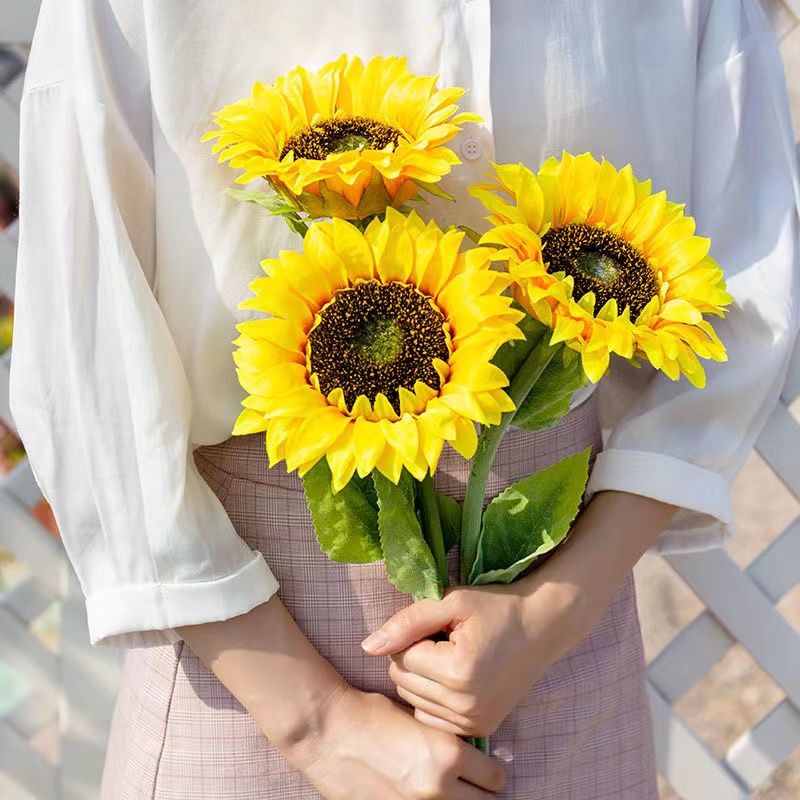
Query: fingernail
[375, 641]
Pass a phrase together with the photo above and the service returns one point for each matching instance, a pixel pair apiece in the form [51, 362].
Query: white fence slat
[22, 535]
[746, 613]
[26, 766]
[36, 711]
[28, 599]
[22, 484]
[779, 444]
[8, 263]
[9, 131]
[19, 20]
[5, 410]
[89, 677]
[756, 754]
[683, 760]
[688, 657]
[14, 89]
[791, 389]
[25, 653]
[776, 569]
[793, 6]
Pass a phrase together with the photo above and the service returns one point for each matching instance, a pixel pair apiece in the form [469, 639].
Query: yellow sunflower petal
[369, 445]
[466, 439]
[277, 434]
[311, 438]
[249, 421]
[595, 364]
[342, 459]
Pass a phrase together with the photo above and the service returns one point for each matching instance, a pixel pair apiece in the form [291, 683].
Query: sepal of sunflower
[346, 141]
[611, 267]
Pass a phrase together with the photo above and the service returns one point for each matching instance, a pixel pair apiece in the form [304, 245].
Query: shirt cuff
[705, 518]
[146, 615]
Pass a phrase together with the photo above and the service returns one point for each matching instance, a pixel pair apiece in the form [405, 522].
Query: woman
[132, 263]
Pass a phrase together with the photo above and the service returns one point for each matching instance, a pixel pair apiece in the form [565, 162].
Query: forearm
[268, 664]
[609, 537]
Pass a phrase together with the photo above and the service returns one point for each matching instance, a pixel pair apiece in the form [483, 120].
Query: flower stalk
[432, 524]
[488, 442]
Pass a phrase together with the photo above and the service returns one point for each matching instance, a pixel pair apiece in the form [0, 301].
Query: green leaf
[297, 225]
[376, 198]
[529, 519]
[450, 515]
[550, 397]
[334, 205]
[435, 190]
[409, 562]
[512, 355]
[346, 523]
[470, 233]
[271, 202]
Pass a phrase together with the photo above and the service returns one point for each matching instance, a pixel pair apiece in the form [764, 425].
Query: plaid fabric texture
[582, 733]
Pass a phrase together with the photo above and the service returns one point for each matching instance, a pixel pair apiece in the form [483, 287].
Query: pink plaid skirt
[583, 732]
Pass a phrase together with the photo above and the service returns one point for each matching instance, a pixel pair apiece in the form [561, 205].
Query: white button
[471, 149]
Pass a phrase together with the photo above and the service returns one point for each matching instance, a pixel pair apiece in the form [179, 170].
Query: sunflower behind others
[610, 266]
[346, 141]
[378, 351]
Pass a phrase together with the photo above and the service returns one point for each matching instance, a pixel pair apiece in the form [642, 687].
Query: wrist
[302, 733]
[568, 602]
[584, 572]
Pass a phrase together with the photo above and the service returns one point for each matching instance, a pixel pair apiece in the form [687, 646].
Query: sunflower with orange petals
[610, 266]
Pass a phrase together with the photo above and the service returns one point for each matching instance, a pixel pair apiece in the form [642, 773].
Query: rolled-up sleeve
[98, 390]
[675, 443]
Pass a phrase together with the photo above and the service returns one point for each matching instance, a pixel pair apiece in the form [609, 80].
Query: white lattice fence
[740, 608]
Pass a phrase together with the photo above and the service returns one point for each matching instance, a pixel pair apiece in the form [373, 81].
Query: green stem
[481, 742]
[433, 528]
[526, 376]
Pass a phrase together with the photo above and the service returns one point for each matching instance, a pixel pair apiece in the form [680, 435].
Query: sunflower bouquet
[386, 339]
[378, 347]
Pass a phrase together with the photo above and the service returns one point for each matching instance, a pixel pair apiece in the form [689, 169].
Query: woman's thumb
[407, 627]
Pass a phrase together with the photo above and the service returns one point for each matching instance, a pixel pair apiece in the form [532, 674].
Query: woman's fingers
[438, 723]
[455, 723]
[481, 770]
[409, 625]
[433, 660]
[466, 791]
[424, 687]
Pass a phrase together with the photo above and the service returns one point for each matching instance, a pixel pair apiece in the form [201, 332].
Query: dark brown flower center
[374, 338]
[340, 135]
[601, 262]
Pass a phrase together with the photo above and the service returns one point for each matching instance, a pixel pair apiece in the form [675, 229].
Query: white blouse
[133, 260]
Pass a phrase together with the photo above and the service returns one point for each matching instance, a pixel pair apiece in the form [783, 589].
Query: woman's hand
[502, 639]
[369, 747]
[350, 745]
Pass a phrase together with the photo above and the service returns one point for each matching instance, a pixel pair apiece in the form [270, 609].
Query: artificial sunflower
[378, 350]
[346, 141]
[610, 266]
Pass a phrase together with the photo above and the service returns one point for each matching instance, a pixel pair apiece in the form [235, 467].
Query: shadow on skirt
[583, 732]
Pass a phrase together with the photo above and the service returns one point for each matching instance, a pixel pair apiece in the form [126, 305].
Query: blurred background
[721, 630]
